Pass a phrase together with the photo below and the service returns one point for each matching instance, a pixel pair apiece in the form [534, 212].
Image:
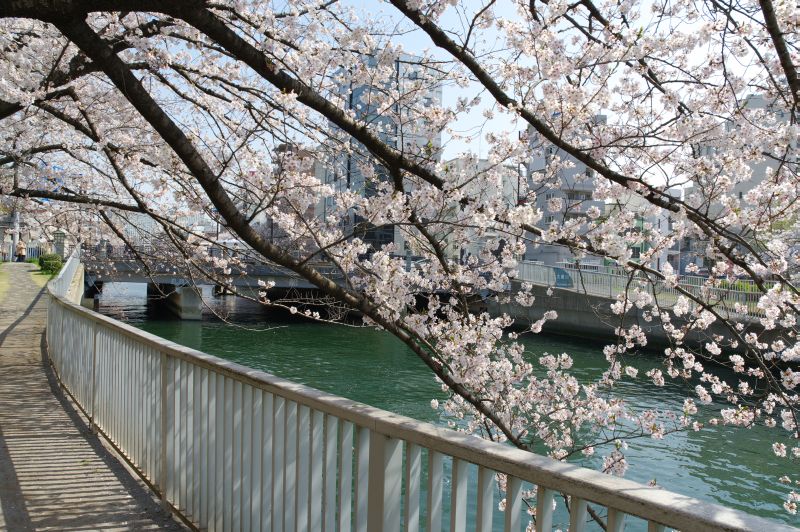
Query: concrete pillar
[14, 233]
[183, 301]
[91, 292]
[186, 303]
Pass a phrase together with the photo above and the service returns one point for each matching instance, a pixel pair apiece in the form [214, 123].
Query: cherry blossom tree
[116, 111]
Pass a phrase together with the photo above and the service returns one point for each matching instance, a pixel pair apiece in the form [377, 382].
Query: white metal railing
[231, 448]
[60, 284]
[722, 294]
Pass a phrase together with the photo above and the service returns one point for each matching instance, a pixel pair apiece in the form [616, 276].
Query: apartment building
[409, 84]
[563, 195]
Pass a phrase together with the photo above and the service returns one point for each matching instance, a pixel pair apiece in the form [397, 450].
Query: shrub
[50, 263]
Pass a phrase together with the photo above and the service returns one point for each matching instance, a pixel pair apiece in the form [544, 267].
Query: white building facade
[398, 126]
[562, 195]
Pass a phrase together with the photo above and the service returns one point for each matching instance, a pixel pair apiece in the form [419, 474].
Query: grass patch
[41, 278]
[3, 281]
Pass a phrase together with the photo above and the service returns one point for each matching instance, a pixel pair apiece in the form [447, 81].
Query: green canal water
[729, 466]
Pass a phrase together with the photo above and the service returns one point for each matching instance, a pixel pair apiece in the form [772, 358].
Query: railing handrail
[695, 281]
[608, 285]
[658, 505]
[60, 283]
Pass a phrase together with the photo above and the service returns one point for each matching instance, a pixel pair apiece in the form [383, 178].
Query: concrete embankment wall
[75, 290]
[590, 317]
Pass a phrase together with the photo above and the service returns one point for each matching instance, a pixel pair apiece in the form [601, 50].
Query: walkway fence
[231, 448]
[725, 295]
[33, 250]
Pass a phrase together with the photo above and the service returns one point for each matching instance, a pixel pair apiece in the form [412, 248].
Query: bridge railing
[232, 448]
[722, 294]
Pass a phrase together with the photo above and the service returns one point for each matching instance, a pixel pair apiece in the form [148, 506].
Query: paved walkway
[54, 473]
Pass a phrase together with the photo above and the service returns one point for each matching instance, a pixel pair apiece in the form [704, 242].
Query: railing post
[513, 510]
[93, 400]
[616, 520]
[578, 513]
[362, 479]
[544, 509]
[458, 496]
[485, 496]
[435, 483]
[61, 346]
[385, 477]
[162, 469]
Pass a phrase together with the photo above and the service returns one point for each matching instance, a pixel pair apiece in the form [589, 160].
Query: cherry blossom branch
[83, 36]
[778, 40]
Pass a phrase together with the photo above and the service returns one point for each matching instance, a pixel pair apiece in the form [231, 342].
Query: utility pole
[14, 219]
[14, 231]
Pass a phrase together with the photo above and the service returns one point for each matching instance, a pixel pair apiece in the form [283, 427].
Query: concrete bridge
[130, 270]
[179, 290]
[582, 298]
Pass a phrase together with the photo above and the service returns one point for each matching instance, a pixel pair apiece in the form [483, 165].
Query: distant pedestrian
[20, 251]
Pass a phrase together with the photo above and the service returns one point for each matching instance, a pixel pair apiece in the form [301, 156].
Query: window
[578, 195]
[636, 253]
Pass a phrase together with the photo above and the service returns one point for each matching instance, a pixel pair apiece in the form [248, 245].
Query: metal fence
[33, 250]
[722, 294]
[231, 448]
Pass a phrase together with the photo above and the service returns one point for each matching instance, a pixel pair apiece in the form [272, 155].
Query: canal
[733, 467]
